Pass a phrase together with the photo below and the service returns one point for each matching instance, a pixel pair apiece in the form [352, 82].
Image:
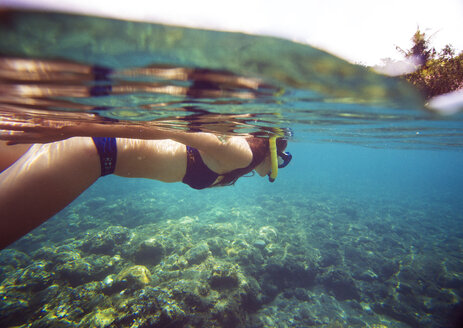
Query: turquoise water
[362, 229]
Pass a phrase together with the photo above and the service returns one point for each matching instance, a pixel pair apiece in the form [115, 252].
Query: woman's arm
[234, 151]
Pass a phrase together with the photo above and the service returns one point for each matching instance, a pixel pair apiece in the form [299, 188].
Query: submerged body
[41, 179]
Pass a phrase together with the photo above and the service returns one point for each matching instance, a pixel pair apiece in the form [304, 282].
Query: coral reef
[314, 263]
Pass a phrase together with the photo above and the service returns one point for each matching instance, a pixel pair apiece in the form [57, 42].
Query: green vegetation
[439, 72]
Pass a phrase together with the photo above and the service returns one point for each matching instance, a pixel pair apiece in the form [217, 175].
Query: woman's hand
[32, 131]
[42, 130]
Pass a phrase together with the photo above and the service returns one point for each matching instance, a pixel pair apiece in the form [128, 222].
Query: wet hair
[260, 149]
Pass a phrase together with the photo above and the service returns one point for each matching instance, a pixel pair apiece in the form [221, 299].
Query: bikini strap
[107, 150]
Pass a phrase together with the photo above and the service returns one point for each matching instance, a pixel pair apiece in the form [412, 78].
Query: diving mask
[278, 160]
[284, 158]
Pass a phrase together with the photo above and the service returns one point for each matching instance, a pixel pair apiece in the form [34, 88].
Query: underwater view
[363, 228]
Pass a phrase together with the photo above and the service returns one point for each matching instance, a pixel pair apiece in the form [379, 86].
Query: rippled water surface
[362, 229]
[145, 72]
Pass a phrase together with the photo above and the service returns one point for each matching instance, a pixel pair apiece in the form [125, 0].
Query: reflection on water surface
[70, 67]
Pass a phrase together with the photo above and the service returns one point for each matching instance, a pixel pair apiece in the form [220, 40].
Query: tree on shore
[438, 72]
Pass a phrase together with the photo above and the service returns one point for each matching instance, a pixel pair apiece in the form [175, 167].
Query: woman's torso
[164, 160]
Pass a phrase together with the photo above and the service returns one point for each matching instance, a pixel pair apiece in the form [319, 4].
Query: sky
[360, 31]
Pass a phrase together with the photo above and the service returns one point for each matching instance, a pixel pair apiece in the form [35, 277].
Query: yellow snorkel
[273, 158]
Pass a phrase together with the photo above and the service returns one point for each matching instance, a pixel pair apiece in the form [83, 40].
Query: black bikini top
[198, 175]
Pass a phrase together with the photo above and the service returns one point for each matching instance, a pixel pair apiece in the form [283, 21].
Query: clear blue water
[374, 191]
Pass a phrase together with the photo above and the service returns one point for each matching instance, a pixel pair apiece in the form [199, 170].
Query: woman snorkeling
[45, 166]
